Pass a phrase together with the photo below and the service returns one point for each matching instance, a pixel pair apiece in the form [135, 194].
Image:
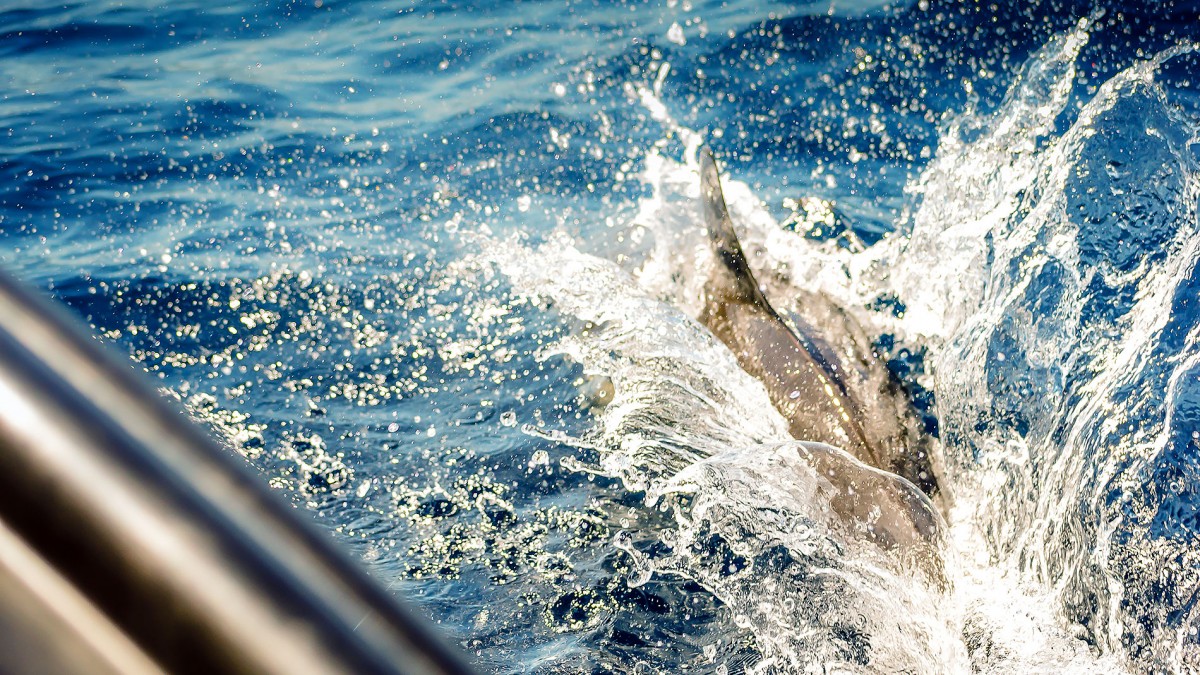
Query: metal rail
[130, 542]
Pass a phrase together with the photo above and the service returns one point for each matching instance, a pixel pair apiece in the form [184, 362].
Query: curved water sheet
[750, 519]
[1054, 276]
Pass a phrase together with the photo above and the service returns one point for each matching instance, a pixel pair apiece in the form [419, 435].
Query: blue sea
[433, 269]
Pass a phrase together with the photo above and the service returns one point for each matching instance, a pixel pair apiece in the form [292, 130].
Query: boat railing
[131, 542]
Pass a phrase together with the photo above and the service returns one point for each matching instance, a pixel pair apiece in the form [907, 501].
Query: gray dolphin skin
[832, 389]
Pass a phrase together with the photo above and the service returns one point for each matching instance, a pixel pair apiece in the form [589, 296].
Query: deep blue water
[395, 254]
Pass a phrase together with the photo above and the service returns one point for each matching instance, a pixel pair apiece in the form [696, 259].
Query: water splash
[698, 436]
[1047, 272]
[1063, 348]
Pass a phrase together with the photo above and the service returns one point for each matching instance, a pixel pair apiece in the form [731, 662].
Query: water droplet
[641, 567]
[675, 34]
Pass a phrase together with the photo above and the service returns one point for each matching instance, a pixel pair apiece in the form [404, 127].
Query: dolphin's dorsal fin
[732, 281]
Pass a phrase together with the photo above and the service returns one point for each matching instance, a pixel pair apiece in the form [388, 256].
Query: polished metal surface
[182, 559]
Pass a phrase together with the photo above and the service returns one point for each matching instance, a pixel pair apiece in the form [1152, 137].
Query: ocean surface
[433, 269]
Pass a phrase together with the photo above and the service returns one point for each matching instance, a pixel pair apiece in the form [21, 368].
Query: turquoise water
[431, 268]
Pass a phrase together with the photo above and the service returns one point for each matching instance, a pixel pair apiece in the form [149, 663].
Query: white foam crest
[688, 426]
[815, 600]
[969, 191]
[679, 395]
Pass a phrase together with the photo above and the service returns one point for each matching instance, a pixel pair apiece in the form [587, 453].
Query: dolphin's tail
[732, 280]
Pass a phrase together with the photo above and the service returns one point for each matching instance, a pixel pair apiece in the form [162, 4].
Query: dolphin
[833, 390]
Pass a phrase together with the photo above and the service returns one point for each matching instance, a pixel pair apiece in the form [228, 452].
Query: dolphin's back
[806, 380]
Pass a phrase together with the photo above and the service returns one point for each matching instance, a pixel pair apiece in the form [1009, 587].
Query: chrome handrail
[114, 499]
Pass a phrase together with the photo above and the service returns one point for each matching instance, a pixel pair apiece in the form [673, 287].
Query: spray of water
[1049, 274]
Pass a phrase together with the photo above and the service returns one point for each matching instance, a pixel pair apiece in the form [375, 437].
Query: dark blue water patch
[90, 29]
[527, 157]
[67, 178]
[444, 56]
[238, 187]
[87, 31]
[82, 40]
[1139, 31]
[639, 633]
[243, 108]
[1180, 76]
[777, 77]
[1129, 190]
[907, 365]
